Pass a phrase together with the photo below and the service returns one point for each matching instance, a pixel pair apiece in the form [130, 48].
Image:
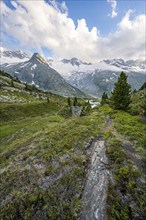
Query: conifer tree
[121, 94]
[75, 101]
[88, 106]
[12, 83]
[48, 99]
[69, 102]
[104, 98]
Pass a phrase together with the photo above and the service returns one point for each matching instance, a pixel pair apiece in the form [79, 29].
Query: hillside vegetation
[45, 154]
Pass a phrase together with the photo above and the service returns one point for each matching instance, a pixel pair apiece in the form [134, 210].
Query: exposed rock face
[95, 192]
[76, 110]
[36, 71]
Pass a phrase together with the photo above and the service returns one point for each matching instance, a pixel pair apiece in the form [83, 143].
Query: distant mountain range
[100, 81]
[13, 56]
[75, 62]
[94, 79]
[36, 71]
[69, 77]
[129, 65]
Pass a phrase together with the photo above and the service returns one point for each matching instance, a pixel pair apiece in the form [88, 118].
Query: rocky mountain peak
[37, 58]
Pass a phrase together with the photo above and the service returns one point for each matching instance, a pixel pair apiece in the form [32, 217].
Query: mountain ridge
[92, 79]
[37, 71]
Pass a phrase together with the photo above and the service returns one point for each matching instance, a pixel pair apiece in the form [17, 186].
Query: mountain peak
[75, 62]
[36, 57]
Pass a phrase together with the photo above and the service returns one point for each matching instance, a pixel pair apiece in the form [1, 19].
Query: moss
[123, 193]
[43, 160]
[122, 174]
[38, 144]
[117, 209]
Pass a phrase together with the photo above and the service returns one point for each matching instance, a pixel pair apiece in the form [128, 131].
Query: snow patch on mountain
[36, 71]
[33, 67]
[67, 68]
[129, 65]
[24, 65]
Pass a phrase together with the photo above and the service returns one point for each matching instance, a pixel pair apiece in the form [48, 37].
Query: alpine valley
[73, 110]
[71, 77]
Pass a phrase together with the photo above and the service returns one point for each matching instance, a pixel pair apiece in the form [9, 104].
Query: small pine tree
[83, 113]
[69, 102]
[12, 83]
[48, 99]
[88, 106]
[104, 98]
[120, 98]
[75, 101]
[26, 86]
[85, 109]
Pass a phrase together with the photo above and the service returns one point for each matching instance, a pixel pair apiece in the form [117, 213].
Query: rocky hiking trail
[94, 199]
[96, 185]
[95, 191]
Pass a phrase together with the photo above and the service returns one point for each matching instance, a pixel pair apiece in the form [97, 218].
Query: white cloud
[114, 8]
[60, 7]
[2, 49]
[48, 25]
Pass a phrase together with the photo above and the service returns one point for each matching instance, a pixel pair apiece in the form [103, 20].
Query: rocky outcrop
[76, 110]
[95, 191]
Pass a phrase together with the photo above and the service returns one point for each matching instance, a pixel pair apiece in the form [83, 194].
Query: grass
[14, 112]
[137, 102]
[132, 127]
[126, 192]
[43, 158]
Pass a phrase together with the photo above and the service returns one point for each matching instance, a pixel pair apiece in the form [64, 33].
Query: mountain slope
[100, 77]
[12, 90]
[37, 71]
[99, 81]
[93, 79]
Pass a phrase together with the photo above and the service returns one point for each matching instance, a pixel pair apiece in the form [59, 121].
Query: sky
[89, 30]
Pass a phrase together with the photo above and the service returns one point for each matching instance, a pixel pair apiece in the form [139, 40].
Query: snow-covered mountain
[67, 67]
[36, 71]
[8, 56]
[100, 81]
[94, 79]
[91, 78]
[129, 65]
[75, 62]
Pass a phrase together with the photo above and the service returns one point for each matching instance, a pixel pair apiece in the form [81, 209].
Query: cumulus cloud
[60, 7]
[114, 8]
[48, 25]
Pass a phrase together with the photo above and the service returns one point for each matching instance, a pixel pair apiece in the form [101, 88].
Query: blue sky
[96, 12]
[77, 21]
